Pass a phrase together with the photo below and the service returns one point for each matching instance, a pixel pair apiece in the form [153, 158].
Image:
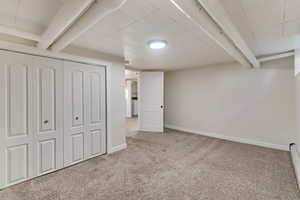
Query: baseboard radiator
[296, 162]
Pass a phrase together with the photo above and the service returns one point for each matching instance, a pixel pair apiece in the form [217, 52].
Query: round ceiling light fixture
[157, 44]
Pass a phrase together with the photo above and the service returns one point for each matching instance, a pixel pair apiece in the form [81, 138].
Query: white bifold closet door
[52, 114]
[84, 119]
[31, 129]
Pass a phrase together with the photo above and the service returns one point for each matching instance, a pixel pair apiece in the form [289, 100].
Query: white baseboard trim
[118, 148]
[296, 162]
[231, 138]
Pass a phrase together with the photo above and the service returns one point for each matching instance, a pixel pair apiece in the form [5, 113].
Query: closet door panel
[96, 123]
[77, 98]
[77, 147]
[16, 133]
[17, 112]
[74, 119]
[47, 152]
[95, 97]
[47, 99]
[17, 100]
[17, 163]
[96, 142]
[48, 114]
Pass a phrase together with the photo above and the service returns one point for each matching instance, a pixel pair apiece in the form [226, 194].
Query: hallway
[132, 126]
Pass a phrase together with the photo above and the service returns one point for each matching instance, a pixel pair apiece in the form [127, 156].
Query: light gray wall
[297, 78]
[251, 104]
[296, 154]
[297, 91]
[116, 107]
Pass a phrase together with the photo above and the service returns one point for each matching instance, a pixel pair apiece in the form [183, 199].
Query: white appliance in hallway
[128, 98]
[135, 107]
[134, 98]
[34, 92]
[151, 99]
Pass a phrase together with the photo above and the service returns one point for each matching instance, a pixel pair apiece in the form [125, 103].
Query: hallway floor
[132, 126]
[171, 166]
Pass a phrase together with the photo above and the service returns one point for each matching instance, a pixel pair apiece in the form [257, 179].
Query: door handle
[46, 122]
[76, 118]
[161, 106]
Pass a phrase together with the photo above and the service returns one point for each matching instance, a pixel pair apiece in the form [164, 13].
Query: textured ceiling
[28, 15]
[127, 31]
[268, 26]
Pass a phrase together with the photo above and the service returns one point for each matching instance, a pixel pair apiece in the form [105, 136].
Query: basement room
[149, 100]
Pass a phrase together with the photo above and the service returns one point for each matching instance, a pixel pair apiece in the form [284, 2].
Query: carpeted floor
[171, 166]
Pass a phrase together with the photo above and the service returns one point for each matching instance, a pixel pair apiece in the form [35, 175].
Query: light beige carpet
[172, 166]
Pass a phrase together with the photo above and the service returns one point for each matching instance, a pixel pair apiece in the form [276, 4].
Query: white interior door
[17, 130]
[95, 111]
[47, 110]
[48, 114]
[151, 98]
[85, 121]
[31, 131]
[74, 113]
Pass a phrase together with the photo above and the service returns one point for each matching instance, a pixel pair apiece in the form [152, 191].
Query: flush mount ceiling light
[157, 44]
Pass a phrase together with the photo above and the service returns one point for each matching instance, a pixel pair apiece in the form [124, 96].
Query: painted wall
[298, 112]
[116, 107]
[296, 154]
[247, 105]
[297, 91]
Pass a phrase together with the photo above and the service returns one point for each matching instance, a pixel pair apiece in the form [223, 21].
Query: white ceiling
[127, 31]
[28, 15]
[268, 26]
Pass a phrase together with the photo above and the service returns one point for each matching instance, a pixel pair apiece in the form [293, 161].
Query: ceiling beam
[202, 19]
[276, 56]
[218, 13]
[17, 33]
[64, 18]
[93, 15]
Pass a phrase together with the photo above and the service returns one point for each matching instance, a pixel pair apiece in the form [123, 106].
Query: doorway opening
[144, 93]
[132, 101]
